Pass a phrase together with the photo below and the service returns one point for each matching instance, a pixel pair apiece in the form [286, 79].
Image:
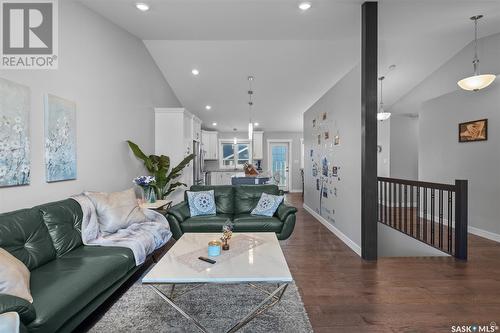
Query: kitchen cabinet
[210, 144]
[175, 131]
[197, 129]
[258, 145]
[223, 177]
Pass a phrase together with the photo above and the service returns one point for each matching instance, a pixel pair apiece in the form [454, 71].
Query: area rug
[217, 307]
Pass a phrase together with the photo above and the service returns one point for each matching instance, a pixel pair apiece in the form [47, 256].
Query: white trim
[289, 141]
[295, 191]
[483, 233]
[349, 242]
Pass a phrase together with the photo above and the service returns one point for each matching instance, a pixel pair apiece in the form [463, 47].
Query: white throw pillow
[14, 277]
[116, 210]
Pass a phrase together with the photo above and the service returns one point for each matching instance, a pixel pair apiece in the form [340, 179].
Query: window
[234, 156]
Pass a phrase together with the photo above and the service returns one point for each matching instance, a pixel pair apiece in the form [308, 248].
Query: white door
[279, 157]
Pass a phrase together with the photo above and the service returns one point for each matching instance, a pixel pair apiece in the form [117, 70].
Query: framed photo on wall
[476, 130]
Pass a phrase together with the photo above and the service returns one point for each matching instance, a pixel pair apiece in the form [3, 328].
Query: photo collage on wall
[325, 170]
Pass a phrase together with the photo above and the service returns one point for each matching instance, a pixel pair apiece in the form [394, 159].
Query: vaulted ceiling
[295, 56]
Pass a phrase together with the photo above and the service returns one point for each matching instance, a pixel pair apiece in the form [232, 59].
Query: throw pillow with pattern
[267, 205]
[201, 203]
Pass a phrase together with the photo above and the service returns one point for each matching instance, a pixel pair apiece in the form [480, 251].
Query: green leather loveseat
[68, 280]
[234, 203]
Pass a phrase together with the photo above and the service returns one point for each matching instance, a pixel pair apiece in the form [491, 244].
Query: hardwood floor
[343, 293]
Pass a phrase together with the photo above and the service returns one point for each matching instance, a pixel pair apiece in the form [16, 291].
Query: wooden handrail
[437, 186]
[433, 213]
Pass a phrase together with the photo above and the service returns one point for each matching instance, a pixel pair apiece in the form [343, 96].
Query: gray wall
[115, 84]
[384, 142]
[393, 243]
[444, 159]
[342, 104]
[442, 106]
[404, 147]
[295, 156]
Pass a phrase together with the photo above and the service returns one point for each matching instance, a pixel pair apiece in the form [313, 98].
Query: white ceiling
[295, 56]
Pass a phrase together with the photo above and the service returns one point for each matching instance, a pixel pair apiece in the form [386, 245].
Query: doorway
[278, 154]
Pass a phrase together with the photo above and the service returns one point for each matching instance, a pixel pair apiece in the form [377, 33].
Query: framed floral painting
[60, 139]
[14, 134]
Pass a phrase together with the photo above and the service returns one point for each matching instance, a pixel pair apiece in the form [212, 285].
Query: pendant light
[250, 105]
[381, 114]
[477, 81]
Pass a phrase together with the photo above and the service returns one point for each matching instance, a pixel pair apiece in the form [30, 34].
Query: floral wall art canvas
[60, 139]
[14, 134]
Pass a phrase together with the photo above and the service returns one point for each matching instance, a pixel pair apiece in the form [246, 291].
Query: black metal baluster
[425, 214]
[389, 204]
[385, 202]
[418, 213]
[412, 232]
[441, 230]
[400, 209]
[406, 208]
[450, 221]
[433, 215]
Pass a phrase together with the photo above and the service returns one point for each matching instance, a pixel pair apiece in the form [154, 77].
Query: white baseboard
[355, 247]
[485, 234]
[295, 191]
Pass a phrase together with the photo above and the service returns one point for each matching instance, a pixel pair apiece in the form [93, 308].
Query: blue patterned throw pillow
[201, 203]
[267, 205]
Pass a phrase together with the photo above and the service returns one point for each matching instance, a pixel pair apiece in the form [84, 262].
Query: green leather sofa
[68, 280]
[234, 203]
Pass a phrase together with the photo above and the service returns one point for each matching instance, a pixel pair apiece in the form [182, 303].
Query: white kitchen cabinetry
[258, 145]
[224, 177]
[210, 144]
[175, 131]
[196, 129]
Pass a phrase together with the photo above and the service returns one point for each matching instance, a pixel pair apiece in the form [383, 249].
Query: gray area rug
[217, 307]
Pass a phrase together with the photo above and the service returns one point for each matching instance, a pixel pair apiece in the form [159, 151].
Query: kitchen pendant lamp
[477, 81]
[250, 105]
[381, 114]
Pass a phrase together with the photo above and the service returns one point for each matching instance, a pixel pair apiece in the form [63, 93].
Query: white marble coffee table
[252, 258]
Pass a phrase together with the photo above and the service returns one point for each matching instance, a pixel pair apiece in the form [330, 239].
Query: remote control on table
[211, 261]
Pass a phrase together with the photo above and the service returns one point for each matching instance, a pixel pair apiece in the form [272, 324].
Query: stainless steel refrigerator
[198, 172]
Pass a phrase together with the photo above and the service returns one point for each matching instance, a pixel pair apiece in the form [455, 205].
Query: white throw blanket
[142, 238]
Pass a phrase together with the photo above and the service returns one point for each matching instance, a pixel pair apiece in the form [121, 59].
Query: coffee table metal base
[272, 299]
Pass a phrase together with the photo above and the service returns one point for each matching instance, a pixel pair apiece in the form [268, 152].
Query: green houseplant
[159, 167]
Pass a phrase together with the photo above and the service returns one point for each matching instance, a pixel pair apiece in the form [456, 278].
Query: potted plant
[159, 167]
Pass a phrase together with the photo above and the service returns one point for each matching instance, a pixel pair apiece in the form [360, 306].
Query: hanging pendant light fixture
[250, 105]
[381, 114]
[477, 81]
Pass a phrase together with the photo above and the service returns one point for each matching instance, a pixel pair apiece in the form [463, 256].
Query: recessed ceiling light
[195, 71]
[304, 6]
[256, 124]
[143, 7]
[208, 107]
[214, 124]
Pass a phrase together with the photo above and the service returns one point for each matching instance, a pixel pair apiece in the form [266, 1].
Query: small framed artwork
[470, 131]
[314, 122]
[327, 135]
[323, 116]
